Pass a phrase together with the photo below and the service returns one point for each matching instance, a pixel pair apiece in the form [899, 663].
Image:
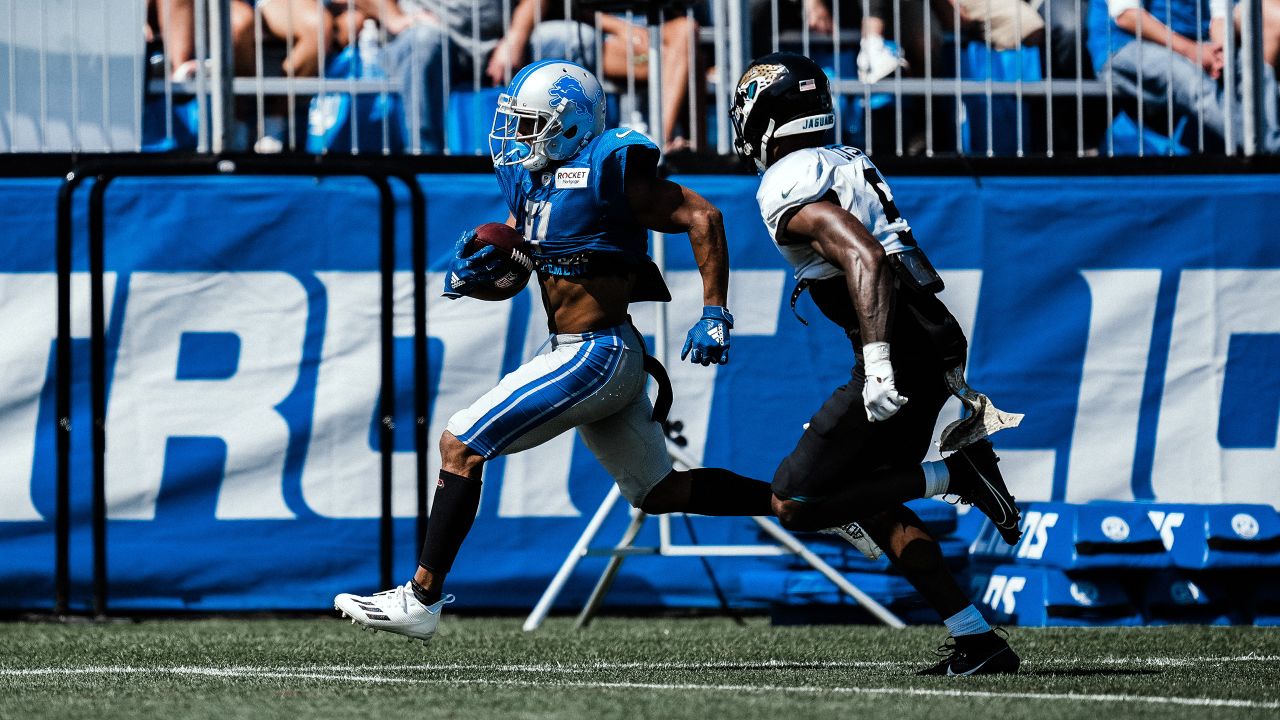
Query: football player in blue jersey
[583, 198]
[832, 216]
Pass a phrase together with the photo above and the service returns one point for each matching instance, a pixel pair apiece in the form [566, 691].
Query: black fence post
[421, 358]
[387, 397]
[62, 414]
[98, 389]
[157, 166]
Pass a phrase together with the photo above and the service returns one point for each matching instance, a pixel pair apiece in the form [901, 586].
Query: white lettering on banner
[1001, 590]
[29, 327]
[1165, 523]
[1123, 309]
[341, 474]
[1190, 465]
[148, 405]
[1035, 528]
[267, 312]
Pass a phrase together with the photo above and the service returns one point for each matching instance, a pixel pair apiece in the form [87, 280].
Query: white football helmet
[551, 110]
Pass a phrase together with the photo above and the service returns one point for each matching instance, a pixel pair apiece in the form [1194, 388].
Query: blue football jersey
[578, 213]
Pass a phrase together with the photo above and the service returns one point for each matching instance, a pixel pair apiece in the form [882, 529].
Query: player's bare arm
[844, 241]
[664, 206]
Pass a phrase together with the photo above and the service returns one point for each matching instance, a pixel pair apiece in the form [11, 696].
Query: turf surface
[619, 668]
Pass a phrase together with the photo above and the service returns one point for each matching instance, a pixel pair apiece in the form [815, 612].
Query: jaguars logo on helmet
[779, 95]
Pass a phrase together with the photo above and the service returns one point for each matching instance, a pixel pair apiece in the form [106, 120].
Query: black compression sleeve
[452, 512]
[713, 491]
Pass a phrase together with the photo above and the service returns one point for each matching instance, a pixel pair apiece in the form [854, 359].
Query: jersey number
[881, 189]
[886, 201]
[537, 216]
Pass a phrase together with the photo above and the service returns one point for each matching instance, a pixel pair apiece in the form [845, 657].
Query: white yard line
[284, 674]
[644, 665]
[782, 664]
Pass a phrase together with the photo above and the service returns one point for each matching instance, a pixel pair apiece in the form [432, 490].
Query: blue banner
[1136, 322]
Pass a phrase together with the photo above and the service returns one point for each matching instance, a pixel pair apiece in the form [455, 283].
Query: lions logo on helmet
[569, 90]
[550, 111]
[779, 95]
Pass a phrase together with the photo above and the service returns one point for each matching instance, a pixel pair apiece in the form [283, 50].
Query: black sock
[452, 512]
[713, 491]
[425, 596]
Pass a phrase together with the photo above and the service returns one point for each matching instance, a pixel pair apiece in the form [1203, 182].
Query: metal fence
[943, 77]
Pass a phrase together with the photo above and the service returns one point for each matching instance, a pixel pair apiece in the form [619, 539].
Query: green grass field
[619, 668]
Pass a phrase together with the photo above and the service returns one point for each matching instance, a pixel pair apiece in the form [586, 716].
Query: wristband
[875, 360]
[716, 312]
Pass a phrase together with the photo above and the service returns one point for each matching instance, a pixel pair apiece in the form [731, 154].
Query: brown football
[516, 267]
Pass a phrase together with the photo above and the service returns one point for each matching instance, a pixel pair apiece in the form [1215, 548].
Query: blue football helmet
[549, 112]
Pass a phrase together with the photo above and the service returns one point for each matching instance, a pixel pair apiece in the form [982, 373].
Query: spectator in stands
[791, 16]
[1062, 23]
[175, 24]
[1010, 22]
[426, 39]
[305, 26]
[1270, 31]
[1064, 20]
[429, 38]
[305, 23]
[878, 58]
[575, 39]
[1157, 48]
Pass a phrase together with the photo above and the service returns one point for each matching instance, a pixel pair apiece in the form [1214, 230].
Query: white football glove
[879, 394]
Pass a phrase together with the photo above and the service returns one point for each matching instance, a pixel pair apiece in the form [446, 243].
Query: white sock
[937, 478]
[967, 622]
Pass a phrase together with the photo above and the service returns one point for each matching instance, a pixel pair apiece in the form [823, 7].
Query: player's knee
[793, 515]
[671, 494]
[456, 457]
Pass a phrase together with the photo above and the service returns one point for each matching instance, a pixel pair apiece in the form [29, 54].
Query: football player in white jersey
[833, 218]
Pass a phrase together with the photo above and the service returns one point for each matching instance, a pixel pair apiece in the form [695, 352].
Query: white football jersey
[808, 175]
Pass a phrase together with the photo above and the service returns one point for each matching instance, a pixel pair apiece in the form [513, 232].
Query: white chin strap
[799, 126]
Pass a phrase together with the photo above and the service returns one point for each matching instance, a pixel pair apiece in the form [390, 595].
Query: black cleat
[975, 477]
[983, 654]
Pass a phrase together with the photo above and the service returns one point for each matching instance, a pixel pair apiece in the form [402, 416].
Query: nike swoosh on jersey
[624, 133]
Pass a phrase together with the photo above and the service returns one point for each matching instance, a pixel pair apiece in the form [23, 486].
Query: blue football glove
[708, 340]
[466, 272]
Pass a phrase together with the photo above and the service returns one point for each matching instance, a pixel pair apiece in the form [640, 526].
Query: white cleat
[395, 611]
